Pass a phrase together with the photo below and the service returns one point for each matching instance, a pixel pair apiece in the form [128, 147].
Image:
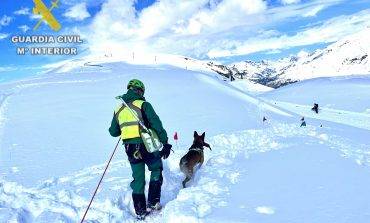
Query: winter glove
[165, 152]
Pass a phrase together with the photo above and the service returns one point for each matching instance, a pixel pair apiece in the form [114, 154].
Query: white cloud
[27, 12]
[24, 28]
[198, 27]
[7, 69]
[113, 23]
[3, 36]
[330, 31]
[310, 8]
[314, 11]
[88, 2]
[265, 210]
[166, 14]
[35, 16]
[22, 11]
[287, 2]
[273, 52]
[77, 12]
[225, 15]
[5, 20]
[168, 19]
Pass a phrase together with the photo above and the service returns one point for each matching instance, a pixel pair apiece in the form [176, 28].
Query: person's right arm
[114, 129]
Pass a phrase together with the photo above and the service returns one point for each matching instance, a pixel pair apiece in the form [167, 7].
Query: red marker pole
[176, 138]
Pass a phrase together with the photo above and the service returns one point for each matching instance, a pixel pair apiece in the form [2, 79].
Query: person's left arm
[154, 122]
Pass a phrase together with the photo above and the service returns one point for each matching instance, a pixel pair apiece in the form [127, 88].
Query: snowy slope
[342, 93]
[341, 99]
[85, 98]
[54, 143]
[250, 87]
[96, 62]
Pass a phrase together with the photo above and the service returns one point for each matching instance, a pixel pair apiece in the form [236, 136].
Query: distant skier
[303, 122]
[127, 127]
[264, 119]
[315, 108]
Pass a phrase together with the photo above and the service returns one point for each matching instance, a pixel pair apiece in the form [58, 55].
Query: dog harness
[196, 149]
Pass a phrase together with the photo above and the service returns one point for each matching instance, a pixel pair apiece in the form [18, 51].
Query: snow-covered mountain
[348, 56]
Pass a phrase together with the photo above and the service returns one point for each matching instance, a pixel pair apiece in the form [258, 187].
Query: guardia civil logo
[41, 9]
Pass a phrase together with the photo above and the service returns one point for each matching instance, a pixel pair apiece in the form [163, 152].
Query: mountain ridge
[347, 56]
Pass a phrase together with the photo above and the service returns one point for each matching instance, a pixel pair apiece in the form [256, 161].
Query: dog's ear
[195, 134]
[203, 136]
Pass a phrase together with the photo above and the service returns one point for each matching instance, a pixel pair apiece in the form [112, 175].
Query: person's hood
[131, 96]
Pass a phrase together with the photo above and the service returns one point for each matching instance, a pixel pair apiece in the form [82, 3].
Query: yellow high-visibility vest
[128, 124]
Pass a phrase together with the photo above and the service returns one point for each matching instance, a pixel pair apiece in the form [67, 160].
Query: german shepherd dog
[194, 158]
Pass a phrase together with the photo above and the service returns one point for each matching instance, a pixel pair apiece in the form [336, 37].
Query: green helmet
[135, 83]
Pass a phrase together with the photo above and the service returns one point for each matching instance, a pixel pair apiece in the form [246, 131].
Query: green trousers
[138, 162]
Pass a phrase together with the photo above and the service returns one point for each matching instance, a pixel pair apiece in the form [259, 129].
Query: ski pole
[101, 179]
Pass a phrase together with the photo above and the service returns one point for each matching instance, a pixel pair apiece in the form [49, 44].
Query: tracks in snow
[355, 119]
[65, 198]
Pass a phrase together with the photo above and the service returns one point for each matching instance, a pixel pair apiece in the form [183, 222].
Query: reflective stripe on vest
[128, 124]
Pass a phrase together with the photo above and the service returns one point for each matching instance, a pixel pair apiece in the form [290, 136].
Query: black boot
[154, 195]
[140, 205]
